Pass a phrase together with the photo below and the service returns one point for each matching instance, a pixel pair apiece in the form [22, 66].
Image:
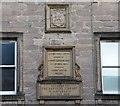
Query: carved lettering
[59, 89]
[58, 63]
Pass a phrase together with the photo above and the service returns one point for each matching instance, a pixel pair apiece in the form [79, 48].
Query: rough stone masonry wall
[86, 18]
[106, 19]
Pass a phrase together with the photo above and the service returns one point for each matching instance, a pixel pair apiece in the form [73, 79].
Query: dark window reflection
[7, 53]
[8, 79]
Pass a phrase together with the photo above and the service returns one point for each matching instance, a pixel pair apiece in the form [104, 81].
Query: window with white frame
[110, 66]
[8, 67]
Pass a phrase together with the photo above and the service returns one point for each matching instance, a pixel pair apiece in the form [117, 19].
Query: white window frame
[15, 66]
[114, 67]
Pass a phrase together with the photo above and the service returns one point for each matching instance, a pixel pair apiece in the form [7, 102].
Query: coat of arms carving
[57, 18]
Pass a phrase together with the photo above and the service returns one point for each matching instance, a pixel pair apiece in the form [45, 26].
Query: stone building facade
[25, 22]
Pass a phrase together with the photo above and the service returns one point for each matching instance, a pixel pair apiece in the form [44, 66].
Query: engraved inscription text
[58, 63]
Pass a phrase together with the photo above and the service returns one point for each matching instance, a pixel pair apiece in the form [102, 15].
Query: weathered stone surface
[85, 18]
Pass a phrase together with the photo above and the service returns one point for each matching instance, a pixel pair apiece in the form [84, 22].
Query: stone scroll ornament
[77, 72]
[40, 69]
[58, 18]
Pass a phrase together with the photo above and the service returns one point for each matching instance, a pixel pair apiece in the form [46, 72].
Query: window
[107, 68]
[110, 66]
[8, 67]
[11, 66]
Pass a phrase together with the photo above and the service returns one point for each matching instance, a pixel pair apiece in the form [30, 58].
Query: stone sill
[18, 97]
[101, 96]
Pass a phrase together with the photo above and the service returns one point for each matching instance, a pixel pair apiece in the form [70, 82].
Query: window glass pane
[110, 80]
[7, 53]
[109, 53]
[8, 79]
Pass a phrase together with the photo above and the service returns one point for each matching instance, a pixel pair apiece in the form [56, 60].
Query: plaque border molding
[71, 49]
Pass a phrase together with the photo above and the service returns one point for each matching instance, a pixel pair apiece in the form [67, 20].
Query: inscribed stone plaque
[60, 90]
[59, 61]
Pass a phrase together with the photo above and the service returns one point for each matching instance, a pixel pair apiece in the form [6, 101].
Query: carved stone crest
[57, 18]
